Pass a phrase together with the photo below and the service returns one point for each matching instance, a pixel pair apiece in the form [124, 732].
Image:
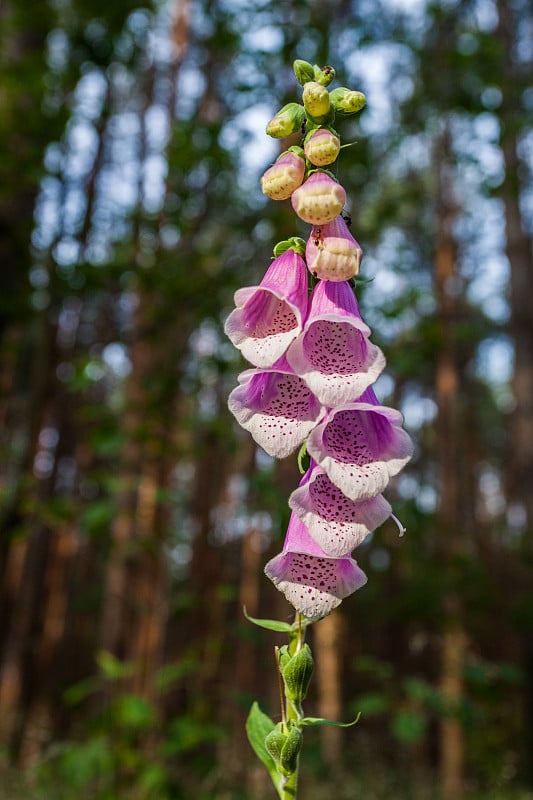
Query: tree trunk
[327, 641]
[519, 250]
[450, 523]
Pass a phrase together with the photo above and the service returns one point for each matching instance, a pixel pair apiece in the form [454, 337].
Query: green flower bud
[304, 71]
[274, 742]
[323, 75]
[316, 100]
[290, 751]
[346, 100]
[289, 119]
[297, 674]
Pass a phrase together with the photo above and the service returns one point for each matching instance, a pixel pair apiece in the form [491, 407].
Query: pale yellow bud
[316, 99]
[322, 147]
[282, 178]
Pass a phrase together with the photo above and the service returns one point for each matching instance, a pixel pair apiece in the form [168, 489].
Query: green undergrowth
[378, 785]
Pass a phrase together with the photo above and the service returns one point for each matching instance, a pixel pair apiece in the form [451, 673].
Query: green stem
[294, 713]
[288, 791]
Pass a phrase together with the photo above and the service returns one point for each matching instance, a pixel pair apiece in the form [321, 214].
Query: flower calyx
[294, 243]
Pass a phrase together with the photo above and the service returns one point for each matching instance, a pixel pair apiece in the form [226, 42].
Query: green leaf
[170, 674]
[408, 726]
[269, 624]
[112, 668]
[309, 721]
[372, 703]
[134, 712]
[80, 691]
[258, 726]
[277, 625]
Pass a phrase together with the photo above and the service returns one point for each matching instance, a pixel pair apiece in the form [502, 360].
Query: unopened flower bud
[289, 119]
[322, 147]
[332, 254]
[288, 761]
[323, 75]
[346, 100]
[274, 742]
[304, 71]
[284, 176]
[297, 674]
[319, 199]
[316, 99]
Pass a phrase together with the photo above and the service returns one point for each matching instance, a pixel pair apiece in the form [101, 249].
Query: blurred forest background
[136, 517]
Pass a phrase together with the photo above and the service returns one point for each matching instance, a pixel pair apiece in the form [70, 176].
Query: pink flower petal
[336, 523]
[313, 583]
[332, 254]
[361, 446]
[333, 354]
[269, 316]
[276, 407]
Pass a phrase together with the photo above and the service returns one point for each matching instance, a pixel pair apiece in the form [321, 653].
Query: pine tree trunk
[451, 525]
[519, 249]
[327, 640]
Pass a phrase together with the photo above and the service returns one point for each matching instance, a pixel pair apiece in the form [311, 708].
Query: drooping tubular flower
[269, 316]
[284, 176]
[336, 523]
[333, 354]
[361, 446]
[319, 199]
[312, 582]
[332, 254]
[276, 407]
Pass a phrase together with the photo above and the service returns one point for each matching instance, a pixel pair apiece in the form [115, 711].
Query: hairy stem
[293, 712]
